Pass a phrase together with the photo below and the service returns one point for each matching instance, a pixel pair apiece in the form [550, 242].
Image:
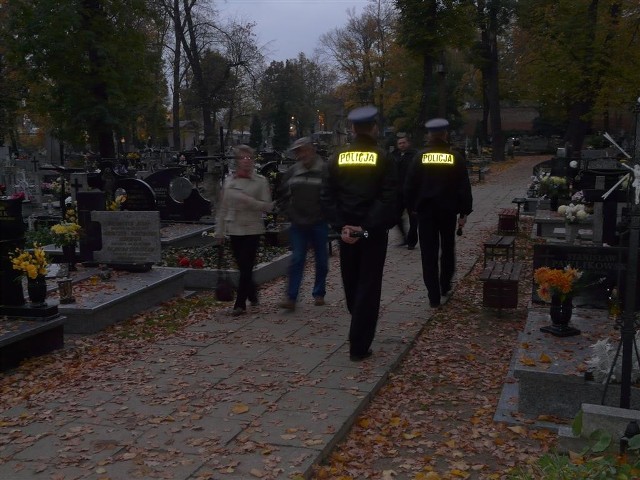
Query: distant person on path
[299, 199]
[245, 196]
[403, 156]
[362, 205]
[438, 189]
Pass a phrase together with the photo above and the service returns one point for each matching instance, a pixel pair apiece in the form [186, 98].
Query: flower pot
[37, 290]
[69, 256]
[560, 312]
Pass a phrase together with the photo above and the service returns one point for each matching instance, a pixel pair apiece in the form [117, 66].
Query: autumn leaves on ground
[434, 418]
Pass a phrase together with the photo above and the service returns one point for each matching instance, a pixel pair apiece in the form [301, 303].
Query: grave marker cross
[76, 186]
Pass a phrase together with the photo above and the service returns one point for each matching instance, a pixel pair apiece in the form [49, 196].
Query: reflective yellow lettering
[357, 158]
[437, 158]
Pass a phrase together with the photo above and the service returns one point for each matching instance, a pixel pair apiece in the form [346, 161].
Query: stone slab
[559, 388]
[205, 279]
[22, 338]
[131, 294]
[128, 237]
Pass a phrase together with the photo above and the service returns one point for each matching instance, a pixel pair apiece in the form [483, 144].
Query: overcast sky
[288, 27]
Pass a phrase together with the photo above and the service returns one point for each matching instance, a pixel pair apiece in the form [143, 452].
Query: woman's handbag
[224, 288]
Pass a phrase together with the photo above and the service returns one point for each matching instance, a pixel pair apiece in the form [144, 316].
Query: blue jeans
[300, 236]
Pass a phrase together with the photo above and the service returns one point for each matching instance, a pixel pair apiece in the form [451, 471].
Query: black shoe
[446, 291]
[254, 303]
[358, 357]
[435, 304]
[410, 247]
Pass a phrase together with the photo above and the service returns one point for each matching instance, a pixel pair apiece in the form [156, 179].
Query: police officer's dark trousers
[362, 265]
[437, 240]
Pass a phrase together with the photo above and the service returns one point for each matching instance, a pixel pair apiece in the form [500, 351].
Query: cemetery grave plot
[552, 371]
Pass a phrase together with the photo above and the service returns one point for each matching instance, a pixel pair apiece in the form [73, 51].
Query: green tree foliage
[281, 124]
[578, 59]
[362, 52]
[299, 89]
[450, 24]
[86, 64]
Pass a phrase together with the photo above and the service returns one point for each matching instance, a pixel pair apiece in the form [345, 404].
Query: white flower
[562, 209]
[581, 214]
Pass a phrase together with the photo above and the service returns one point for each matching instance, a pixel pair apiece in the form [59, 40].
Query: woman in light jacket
[245, 196]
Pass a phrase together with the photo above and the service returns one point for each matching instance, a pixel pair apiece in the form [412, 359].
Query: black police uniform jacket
[362, 187]
[438, 180]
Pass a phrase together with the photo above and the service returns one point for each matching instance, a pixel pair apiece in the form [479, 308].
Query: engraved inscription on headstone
[602, 267]
[128, 237]
[603, 164]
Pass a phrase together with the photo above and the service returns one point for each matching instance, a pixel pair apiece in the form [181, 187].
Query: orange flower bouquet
[555, 281]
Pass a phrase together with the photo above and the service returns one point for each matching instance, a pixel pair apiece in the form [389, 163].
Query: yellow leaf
[529, 362]
[518, 429]
[576, 458]
[544, 358]
[395, 421]
[450, 443]
[239, 408]
[364, 422]
[409, 436]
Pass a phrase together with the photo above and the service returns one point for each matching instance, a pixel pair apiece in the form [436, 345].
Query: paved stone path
[265, 395]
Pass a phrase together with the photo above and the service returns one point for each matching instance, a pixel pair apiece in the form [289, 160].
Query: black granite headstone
[602, 267]
[140, 196]
[12, 228]
[190, 209]
[91, 238]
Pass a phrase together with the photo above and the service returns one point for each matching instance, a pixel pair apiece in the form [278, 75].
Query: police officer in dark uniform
[438, 189]
[361, 202]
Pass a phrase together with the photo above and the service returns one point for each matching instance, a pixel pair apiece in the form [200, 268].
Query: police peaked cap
[436, 124]
[363, 114]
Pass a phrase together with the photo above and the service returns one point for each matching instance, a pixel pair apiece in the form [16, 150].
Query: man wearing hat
[361, 203]
[299, 191]
[438, 189]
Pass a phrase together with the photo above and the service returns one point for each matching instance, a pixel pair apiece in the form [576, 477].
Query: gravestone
[78, 183]
[140, 196]
[12, 228]
[174, 199]
[90, 240]
[602, 267]
[601, 164]
[130, 240]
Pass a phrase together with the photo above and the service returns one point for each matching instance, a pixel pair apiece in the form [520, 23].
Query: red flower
[183, 261]
[197, 263]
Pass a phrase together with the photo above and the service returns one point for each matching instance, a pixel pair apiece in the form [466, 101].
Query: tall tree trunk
[100, 132]
[427, 96]
[493, 90]
[175, 104]
[579, 110]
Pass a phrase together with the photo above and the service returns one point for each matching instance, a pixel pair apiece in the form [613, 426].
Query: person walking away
[403, 155]
[245, 197]
[361, 201]
[299, 199]
[438, 189]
